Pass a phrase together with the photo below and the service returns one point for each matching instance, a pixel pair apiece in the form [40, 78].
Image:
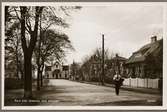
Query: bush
[95, 79]
[13, 83]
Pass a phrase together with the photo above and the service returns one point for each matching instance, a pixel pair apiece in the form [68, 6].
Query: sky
[126, 28]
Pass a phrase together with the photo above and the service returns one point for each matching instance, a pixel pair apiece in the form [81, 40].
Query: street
[61, 92]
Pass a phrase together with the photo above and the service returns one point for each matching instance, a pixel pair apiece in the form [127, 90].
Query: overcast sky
[126, 29]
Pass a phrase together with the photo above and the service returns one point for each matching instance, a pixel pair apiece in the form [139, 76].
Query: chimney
[116, 55]
[153, 39]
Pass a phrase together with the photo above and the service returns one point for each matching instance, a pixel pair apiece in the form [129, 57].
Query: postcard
[83, 56]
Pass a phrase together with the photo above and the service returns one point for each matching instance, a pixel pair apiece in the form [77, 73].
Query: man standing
[118, 81]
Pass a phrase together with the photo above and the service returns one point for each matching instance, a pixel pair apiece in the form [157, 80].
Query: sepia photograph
[82, 55]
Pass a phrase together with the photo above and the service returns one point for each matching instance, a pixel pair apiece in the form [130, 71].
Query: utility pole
[102, 75]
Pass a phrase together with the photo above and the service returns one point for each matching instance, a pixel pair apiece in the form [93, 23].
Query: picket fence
[138, 82]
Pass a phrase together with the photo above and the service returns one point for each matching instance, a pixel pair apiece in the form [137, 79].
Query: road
[61, 92]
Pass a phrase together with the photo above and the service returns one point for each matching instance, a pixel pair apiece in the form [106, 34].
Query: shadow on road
[130, 103]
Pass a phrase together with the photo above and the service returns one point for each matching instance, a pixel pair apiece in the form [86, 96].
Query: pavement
[129, 88]
[60, 92]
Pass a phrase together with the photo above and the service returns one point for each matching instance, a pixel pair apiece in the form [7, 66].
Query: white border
[82, 3]
[164, 56]
[163, 4]
[2, 57]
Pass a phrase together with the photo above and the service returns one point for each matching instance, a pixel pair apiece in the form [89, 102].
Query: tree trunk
[17, 57]
[27, 76]
[101, 78]
[42, 68]
[27, 58]
[28, 50]
[41, 78]
[38, 62]
[21, 70]
[17, 62]
[38, 78]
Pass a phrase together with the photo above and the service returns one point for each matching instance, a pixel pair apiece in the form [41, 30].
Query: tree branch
[28, 25]
[34, 33]
[17, 14]
[22, 20]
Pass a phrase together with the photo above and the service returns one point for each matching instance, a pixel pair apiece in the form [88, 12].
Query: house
[65, 71]
[144, 67]
[147, 61]
[116, 64]
[48, 71]
[57, 71]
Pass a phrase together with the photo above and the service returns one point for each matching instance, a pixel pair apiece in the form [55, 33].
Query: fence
[138, 82]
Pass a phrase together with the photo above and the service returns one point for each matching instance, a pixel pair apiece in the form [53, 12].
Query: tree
[75, 70]
[47, 20]
[53, 45]
[97, 57]
[29, 18]
[91, 65]
[21, 14]
[13, 40]
[85, 68]
[28, 45]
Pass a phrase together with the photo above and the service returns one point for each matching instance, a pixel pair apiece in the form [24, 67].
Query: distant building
[57, 71]
[116, 64]
[48, 71]
[147, 61]
[65, 72]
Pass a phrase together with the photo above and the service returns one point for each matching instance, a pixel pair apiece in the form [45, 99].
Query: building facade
[116, 64]
[57, 71]
[147, 61]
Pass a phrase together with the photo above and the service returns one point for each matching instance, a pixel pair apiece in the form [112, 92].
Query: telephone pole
[102, 75]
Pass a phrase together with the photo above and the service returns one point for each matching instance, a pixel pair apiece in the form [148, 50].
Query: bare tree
[29, 18]
[53, 45]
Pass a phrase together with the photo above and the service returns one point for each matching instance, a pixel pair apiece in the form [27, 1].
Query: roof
[143, 52]
[119, 58]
